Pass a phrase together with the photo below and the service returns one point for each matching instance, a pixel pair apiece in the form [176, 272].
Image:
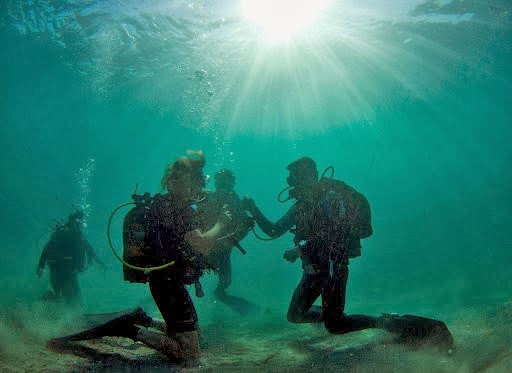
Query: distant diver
[240, 225]
[66, 254]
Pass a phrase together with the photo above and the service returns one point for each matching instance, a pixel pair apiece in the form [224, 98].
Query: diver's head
[75, 220]
[185, 176]
[303, 176]
[225, 180]
[303, 172]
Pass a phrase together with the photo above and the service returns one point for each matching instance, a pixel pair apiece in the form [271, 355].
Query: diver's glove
[248, 204]
[248, 223]
[292, 255]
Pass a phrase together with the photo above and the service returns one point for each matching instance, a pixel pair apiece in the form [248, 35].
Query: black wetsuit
[65, 254]
[208, 213]
[166, 235]
[325, 266]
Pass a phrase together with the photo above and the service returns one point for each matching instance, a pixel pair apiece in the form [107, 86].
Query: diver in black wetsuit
[330, 219]
[224, 196]
[66, 254]
[171, 236]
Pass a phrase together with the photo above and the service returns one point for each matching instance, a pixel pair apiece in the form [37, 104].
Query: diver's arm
[91, 254]
[203, 242]
[42, 262]
[42, 259]
[44, 255]
[277, 229]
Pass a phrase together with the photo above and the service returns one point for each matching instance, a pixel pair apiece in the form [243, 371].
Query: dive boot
[417, 330]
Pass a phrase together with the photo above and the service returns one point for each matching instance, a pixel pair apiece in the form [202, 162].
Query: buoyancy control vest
[341, 201]
[334, 223]
[153, 237]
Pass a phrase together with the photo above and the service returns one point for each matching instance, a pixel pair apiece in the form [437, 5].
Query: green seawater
[408, 101]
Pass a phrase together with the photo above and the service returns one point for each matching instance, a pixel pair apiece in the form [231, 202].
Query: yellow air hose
[142, 269]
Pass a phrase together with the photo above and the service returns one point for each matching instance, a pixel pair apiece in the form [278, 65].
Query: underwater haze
[409, 101]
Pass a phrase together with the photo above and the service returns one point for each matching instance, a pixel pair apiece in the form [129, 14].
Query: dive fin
[117, 324]
[238, 304]
[417, 330]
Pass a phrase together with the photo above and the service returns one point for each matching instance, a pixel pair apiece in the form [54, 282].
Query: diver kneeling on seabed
[163, 246]
[330, 219]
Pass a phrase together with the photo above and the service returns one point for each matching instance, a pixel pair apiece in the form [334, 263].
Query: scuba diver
[172, 241]
[330, 219]
[66, 254]
[208, 210]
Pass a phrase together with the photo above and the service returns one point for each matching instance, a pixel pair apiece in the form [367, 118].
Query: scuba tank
[332, 205]
[135, 249]
[341, 201]
[138, 256]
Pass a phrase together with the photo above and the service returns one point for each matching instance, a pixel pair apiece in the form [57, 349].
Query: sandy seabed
[483, 338]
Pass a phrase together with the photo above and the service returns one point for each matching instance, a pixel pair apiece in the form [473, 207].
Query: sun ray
[281, 19]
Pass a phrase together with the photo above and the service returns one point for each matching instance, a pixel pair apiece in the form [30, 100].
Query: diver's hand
[248, 223]
[291, 255]
[248, 204]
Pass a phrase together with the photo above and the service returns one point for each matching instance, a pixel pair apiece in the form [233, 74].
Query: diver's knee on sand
[295, 316]
[180, 346]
